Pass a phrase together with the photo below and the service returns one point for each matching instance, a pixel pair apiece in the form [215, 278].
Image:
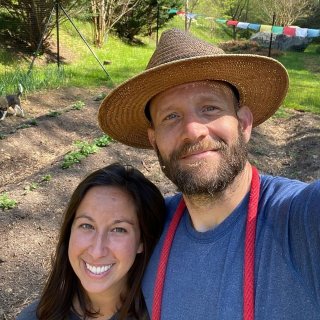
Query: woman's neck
[106, 304]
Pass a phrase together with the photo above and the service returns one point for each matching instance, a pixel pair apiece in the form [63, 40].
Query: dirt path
[34, 147]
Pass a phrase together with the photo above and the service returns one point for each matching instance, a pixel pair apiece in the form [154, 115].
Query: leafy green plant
[33, 122]
[28, 124]
[46, 178]
[32, 186]
[24, 126]
[103, 141]
[71, 158]
[54, 113]
[84, 150]
[100, 96]
[6, 203]
[78, 105]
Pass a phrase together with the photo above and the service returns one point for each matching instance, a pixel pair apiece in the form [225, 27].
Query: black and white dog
[13, 101]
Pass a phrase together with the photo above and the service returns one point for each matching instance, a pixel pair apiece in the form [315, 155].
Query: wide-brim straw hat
[180, 58]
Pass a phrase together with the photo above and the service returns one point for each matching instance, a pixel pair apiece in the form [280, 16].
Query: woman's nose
[99, 246]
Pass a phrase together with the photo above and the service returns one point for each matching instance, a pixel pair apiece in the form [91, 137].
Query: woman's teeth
[98, 270]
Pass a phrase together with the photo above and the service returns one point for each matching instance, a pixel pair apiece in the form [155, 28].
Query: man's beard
[202, 178]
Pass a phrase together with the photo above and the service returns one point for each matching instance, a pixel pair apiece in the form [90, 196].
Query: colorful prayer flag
[221, 20]
[301, 32]
[254, 26]
[265, 28]
[289, 31]
[243, 25]
[277, 30]
[232, 22]
[312, 33]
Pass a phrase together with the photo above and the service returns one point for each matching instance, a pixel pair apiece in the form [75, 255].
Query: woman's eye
[86, 226]
[119, 230]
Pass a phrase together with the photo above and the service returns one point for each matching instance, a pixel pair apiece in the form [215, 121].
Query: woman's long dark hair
[63, 285]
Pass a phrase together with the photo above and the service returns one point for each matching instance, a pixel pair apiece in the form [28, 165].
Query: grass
[304, 73]
[128, 60]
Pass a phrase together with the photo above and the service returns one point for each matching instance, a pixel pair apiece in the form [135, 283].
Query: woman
[112, 223]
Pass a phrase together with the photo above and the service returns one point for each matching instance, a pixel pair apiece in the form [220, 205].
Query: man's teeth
[98, 270]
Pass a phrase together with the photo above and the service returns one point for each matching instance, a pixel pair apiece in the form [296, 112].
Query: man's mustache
[201, 146]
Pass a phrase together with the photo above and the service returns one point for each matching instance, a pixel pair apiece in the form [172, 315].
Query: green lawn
[128, 60]
[304, 73]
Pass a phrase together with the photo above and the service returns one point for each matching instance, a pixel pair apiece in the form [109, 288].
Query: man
[237, 245]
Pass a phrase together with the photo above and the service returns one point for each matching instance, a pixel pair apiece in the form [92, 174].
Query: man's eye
[86, 226]
[119, 230]
[170, 116]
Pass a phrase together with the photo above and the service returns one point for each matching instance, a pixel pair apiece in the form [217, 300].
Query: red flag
[289, 31]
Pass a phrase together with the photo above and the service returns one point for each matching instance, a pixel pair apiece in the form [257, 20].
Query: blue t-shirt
[29, 313]
[204, 278]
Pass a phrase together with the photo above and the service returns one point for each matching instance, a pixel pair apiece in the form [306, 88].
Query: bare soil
[32, 149]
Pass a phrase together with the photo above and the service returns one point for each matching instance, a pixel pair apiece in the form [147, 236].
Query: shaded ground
[33, 149]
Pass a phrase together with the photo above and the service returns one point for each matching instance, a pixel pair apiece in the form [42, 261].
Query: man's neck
[207, 211]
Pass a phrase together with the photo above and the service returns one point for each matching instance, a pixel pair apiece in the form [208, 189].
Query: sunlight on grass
[80, 68]
[304, 73]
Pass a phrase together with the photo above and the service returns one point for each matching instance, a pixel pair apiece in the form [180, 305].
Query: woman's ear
[140, 248]
[245, 121]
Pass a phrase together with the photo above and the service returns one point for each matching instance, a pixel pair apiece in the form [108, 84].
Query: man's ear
[245, 120]
[151, 136]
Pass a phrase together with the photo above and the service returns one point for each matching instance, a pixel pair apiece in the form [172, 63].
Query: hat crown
[175, 45]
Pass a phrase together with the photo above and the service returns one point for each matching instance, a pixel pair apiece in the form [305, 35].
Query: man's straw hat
[180, 58]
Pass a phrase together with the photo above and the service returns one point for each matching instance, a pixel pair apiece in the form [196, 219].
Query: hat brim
[262, 83]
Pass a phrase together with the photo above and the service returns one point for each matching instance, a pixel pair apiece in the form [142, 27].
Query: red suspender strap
[249, 254]
[249, 249]
[159, 283]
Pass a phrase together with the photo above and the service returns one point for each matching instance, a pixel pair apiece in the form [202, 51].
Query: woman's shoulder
[29, 313]
[115, 317]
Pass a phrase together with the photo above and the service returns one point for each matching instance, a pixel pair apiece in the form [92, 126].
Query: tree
[145, 18]
[311, 21]
[233, 10]
[287, 12]
[190, 6]
[106, 13]
[31, 20]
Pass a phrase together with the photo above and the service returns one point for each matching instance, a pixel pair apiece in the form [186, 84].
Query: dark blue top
[204, 278]
[29, 313]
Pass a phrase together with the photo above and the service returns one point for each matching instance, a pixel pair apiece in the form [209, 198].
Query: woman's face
[104, 240]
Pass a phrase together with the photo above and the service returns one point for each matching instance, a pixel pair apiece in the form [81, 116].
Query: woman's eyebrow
[123, 220]
[84, 216]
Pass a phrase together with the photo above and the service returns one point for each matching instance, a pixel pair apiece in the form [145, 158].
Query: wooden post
[158, 17]
[58, 38]
[270, 43]
[185, 16]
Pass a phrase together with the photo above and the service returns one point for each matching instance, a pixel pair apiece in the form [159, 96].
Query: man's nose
[193, 128]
